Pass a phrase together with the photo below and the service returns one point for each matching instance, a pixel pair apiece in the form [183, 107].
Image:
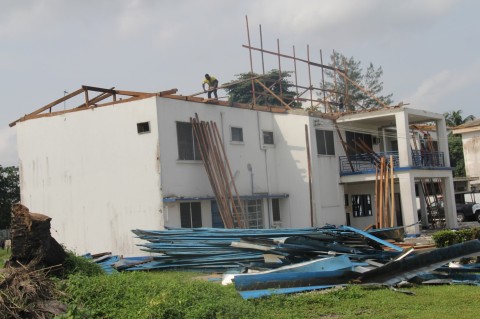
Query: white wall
[98, 178]
[278, 169]
[471, 151]
[94, 175]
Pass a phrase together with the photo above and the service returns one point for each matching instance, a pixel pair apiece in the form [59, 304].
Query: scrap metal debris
[262, 262]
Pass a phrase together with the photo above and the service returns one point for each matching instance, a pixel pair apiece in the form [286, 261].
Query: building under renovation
[123, 160]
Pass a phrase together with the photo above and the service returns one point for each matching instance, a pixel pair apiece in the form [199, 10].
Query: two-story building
[101, 170]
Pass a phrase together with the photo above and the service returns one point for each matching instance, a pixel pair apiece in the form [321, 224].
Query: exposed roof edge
[90, 102]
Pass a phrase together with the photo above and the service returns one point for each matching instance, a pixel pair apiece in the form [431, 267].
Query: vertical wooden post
[382, 169]
[387, 195]
[392, 212]
[309, 175]
[86, 97]
[376, 197]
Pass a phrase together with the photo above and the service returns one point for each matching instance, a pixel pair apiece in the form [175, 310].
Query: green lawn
[177, 295]
[4, 256]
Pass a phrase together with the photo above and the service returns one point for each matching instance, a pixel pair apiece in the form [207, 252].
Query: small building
[101, 170]
[470, 132]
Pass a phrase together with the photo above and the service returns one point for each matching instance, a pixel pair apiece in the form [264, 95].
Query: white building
[102, 170]
[470, 133]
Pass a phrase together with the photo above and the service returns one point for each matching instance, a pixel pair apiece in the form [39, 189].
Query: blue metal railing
[365, 163]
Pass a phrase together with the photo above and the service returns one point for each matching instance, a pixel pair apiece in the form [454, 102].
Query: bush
[446, 238]
[155, 295]
[74, 264]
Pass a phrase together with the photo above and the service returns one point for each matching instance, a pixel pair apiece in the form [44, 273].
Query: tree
[455, 145]
[9, 193]
[240, 89]
[455, 150]
[454, 118]
[350, 96]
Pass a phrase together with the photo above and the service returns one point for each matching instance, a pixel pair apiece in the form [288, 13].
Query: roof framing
[117, 96]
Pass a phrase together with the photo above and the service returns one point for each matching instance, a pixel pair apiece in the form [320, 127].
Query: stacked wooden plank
[219, 173]
[384, 193]
[384, 186]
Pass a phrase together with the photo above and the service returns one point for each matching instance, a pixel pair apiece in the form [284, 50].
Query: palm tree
[454, 118]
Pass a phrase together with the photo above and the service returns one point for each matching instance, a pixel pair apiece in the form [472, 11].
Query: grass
[178, 295]
[4, 256]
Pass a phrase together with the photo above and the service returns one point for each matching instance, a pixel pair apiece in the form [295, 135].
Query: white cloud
[8, 147]
[441, 86]
[350, 21]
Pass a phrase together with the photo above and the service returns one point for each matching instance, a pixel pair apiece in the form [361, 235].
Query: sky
[428, 49]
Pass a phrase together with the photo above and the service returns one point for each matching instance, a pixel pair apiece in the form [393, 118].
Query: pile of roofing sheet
[226, 249]
[262, 262]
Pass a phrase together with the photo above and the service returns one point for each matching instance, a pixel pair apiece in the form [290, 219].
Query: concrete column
[409, 205]
[423, 206]
[403, 139]
[442, 138]
[449, 202]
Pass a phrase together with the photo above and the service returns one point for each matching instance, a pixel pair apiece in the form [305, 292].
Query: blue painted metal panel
[368, 235]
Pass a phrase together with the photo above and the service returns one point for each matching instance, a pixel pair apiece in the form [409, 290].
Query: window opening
[361, 205]
[267, 137]
[190, 215]
[143, 127]
[187, 145]
[276, 210]
[237, 134]
[325, 144]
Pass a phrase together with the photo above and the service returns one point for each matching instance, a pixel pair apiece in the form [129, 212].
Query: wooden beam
[96, 89]
[293, 58]
[167, 92]
[392, 205]
[96, 99]
[86, 97]
[362, 89]
[274, 95]
[132, 93]
[48, 106]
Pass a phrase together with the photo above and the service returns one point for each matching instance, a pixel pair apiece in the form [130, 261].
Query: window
[361, 205]
[325, 145]
[351, 137]
[143, 127]
[237, 134]
[253, 213]
[267, 137]
[276, 210]
[187, 145]
[190, 215]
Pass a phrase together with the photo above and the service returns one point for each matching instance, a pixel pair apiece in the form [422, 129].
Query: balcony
[365, 163]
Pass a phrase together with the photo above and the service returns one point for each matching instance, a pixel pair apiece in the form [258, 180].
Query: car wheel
[477, 217]
[460, 217]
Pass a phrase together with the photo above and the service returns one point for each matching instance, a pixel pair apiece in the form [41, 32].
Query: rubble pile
[28, 293]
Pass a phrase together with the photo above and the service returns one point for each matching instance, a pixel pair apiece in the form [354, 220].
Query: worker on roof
[212, 85]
